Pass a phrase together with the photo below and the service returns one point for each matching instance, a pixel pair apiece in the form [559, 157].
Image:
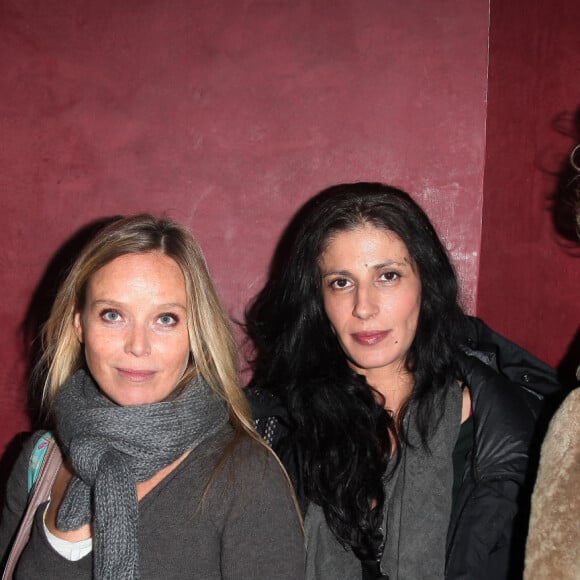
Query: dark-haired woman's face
[372, 297]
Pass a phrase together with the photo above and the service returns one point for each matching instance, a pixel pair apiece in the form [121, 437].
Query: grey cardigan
[246, 528]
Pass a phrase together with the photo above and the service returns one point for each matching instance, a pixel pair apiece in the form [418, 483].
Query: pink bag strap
[41, 492]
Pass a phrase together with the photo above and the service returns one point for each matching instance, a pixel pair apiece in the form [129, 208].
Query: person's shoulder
[235, 447]
[29, 442]
[17, 487]
[570, 408]
[501, 414]
[511, 361]
[264, 403]
[253, 462]
[490, 391]
[251, 454]
[248, 472]
[564, 430]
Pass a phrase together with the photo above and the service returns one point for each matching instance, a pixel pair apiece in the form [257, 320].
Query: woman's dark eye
[340, 283]
[390, 276]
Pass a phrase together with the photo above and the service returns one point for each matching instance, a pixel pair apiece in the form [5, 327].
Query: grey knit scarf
[112, 448]
[417, 511]
[418, 498]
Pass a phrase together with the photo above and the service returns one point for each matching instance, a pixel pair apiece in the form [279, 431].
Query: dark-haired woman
[408, 452]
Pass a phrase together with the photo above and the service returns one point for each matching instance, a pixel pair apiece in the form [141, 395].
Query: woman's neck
[395, 385]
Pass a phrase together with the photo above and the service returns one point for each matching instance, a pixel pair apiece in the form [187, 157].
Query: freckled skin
[134, 328]
[136, 344]
[372, 296]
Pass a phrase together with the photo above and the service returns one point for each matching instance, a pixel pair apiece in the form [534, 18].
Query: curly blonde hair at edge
[575, 163]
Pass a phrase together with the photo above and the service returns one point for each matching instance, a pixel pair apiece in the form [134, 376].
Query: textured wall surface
[530, 274]
[226, 116]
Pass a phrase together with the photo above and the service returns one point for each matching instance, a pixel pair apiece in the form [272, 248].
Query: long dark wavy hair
[337, 420]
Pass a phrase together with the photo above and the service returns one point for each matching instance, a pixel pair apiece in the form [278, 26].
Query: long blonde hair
[212, 344]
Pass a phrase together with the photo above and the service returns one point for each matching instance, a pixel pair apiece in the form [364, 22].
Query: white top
[72, 551]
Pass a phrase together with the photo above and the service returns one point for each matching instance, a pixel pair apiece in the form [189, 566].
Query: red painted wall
[529, 276]
[227, 116]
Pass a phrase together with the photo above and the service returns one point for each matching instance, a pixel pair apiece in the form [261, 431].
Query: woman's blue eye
[110, 315]
[168, 319]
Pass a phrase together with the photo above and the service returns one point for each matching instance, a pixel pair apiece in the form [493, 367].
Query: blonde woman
[163, 475]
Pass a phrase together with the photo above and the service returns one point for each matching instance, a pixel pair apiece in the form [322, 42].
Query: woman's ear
[78, 326]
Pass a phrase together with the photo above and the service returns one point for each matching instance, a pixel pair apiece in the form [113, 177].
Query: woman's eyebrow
[108, 302]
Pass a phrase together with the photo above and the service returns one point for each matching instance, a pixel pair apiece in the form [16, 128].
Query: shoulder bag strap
[50, 466]
[37, 459]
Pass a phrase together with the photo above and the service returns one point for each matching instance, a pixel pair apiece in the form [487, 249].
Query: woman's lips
[135, 376]
[371, 337]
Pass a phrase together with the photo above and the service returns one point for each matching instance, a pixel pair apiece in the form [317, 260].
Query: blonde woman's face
[134, 328]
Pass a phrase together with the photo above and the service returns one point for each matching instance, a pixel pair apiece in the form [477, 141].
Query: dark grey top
[246, 528]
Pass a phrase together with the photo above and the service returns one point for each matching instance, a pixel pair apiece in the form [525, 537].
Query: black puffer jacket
[509, 390]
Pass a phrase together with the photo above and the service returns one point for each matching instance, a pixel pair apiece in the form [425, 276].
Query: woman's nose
[137, 342]
[366, 305]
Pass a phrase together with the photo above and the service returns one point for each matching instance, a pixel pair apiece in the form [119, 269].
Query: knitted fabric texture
[416, 515]
[111, 449]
